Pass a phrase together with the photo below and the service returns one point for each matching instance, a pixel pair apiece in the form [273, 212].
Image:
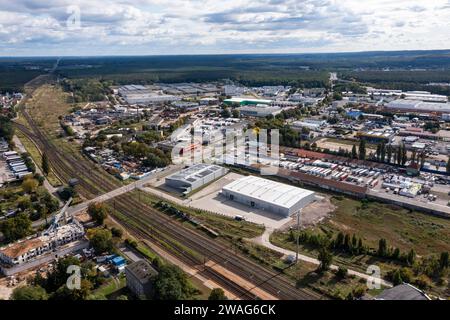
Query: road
[125, 189]
[112, 194]
[264, 240]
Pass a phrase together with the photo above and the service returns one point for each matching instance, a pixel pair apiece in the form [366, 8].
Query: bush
[117, 232]
[342, 272]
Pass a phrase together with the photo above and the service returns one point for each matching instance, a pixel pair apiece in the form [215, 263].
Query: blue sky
[36, 27]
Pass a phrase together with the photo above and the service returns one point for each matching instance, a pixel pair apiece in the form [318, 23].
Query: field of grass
[427, 235]
[303, 273]
[47, 104]
[400, 227]
[112, 286]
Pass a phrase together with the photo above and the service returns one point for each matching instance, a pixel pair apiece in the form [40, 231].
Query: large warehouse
[268, 195]
[195, 176]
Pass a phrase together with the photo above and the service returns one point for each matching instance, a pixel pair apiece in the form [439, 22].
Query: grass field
[47, 104]
[427, 235]
[304, 273]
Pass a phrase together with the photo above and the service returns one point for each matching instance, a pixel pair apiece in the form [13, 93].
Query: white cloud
[30, 27]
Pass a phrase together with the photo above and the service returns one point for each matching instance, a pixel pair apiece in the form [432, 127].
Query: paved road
[264, 240]
[125, 189]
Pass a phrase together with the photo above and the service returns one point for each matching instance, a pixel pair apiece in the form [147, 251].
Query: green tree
[64, 293]
[29, 293]
[404, 155]
[339, 242]
[217, 294]
[101, 240]
[226, 112]
[16, 228]
[382, 248]
[362, 149]
[383, 153]
[389, 153]
[45, 164]
[360, 246]
[354, 152]
[325, 258]
[347, 242]
[411, 257]
[378, 152]
[397, 278]
[354, 242]
[172, 283]
[342, 272]
[444, 260]
[30, 185]
[98, 211]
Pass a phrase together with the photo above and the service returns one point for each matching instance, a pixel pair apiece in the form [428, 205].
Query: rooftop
[19, 248]
[142, 270]
[194, 172]
[280, 194]
[402, 292]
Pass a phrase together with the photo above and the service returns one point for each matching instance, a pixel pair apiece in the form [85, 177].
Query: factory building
[246, 101]
[268, 195]
[402, 105]
[259, 111]
[137, 94]
[195, 176]
[311, 124]
[377, 136]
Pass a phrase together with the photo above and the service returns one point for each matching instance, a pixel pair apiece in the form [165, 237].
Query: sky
[155, 27]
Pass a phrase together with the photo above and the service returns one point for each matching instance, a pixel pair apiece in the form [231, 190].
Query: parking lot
[5, 174]
[210, 199]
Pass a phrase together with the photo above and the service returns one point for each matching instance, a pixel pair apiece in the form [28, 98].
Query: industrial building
[275, 197]
[259, 111]
[246, 101]
[377, 136]
[311, 124]
[195, 176]
[137, 94]
[403, 105]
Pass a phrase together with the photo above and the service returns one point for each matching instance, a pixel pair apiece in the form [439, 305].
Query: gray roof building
[195, 176]
[140, 276]
[403, 291]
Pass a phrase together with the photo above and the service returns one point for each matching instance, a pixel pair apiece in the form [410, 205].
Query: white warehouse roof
[269, 191]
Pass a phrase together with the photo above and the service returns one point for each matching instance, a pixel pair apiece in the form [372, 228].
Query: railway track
[93, 182]
[216, 251]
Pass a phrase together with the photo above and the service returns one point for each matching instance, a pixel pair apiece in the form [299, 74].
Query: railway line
[92, 182]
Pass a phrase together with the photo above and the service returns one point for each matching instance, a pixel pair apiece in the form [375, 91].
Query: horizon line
[223, 54]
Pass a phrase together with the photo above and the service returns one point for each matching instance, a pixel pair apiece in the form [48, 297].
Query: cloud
[218, 26]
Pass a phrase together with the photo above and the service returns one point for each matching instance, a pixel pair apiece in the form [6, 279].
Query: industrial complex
[194, 177]
[268, 195]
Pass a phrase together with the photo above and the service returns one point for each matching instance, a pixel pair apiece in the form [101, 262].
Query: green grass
[111, 286]
[402, 228]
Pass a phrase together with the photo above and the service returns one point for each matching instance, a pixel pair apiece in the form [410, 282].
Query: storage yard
[12, 165]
